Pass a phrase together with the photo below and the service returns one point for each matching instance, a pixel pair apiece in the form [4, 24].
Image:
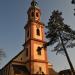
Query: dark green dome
[34, 3]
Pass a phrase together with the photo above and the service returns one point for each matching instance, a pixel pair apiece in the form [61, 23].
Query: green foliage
[56, 29]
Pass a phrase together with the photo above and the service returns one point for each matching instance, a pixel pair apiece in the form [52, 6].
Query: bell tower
[35, 60]
[34, 12]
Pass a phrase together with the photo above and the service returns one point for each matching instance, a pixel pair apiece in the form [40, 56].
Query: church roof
[13, 59]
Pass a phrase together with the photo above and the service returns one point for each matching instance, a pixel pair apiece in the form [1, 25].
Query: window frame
[38, 31]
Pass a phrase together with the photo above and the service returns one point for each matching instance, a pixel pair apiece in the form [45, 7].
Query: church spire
[34, 12]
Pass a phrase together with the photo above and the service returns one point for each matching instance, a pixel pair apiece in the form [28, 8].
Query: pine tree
[60, 35]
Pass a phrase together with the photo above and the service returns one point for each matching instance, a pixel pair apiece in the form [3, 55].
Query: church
[31, 61]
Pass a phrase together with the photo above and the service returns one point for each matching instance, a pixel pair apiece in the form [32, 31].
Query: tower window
[26, 51]
[32, 14]
[40, 72]
[21, 58]
[37, 15]
[39, 51]
[38, 32]
[40, 69]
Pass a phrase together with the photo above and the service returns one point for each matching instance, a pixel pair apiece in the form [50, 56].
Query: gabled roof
[13, 58]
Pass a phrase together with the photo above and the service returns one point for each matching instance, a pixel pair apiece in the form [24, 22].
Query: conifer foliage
[60, 35]
[58, 32]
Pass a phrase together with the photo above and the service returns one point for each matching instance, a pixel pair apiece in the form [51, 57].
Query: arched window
[38, 32]
[37, 15]
[32, 14]
[40, 72]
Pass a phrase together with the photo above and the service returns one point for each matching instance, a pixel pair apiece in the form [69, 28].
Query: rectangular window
[38, 32]
[39, 51]
[26, 51]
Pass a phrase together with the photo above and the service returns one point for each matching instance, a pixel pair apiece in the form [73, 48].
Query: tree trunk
[67, 56]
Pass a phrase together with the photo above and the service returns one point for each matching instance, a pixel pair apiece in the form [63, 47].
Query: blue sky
[13, 17]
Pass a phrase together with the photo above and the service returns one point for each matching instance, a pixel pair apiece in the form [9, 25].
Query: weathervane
[73, 2]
